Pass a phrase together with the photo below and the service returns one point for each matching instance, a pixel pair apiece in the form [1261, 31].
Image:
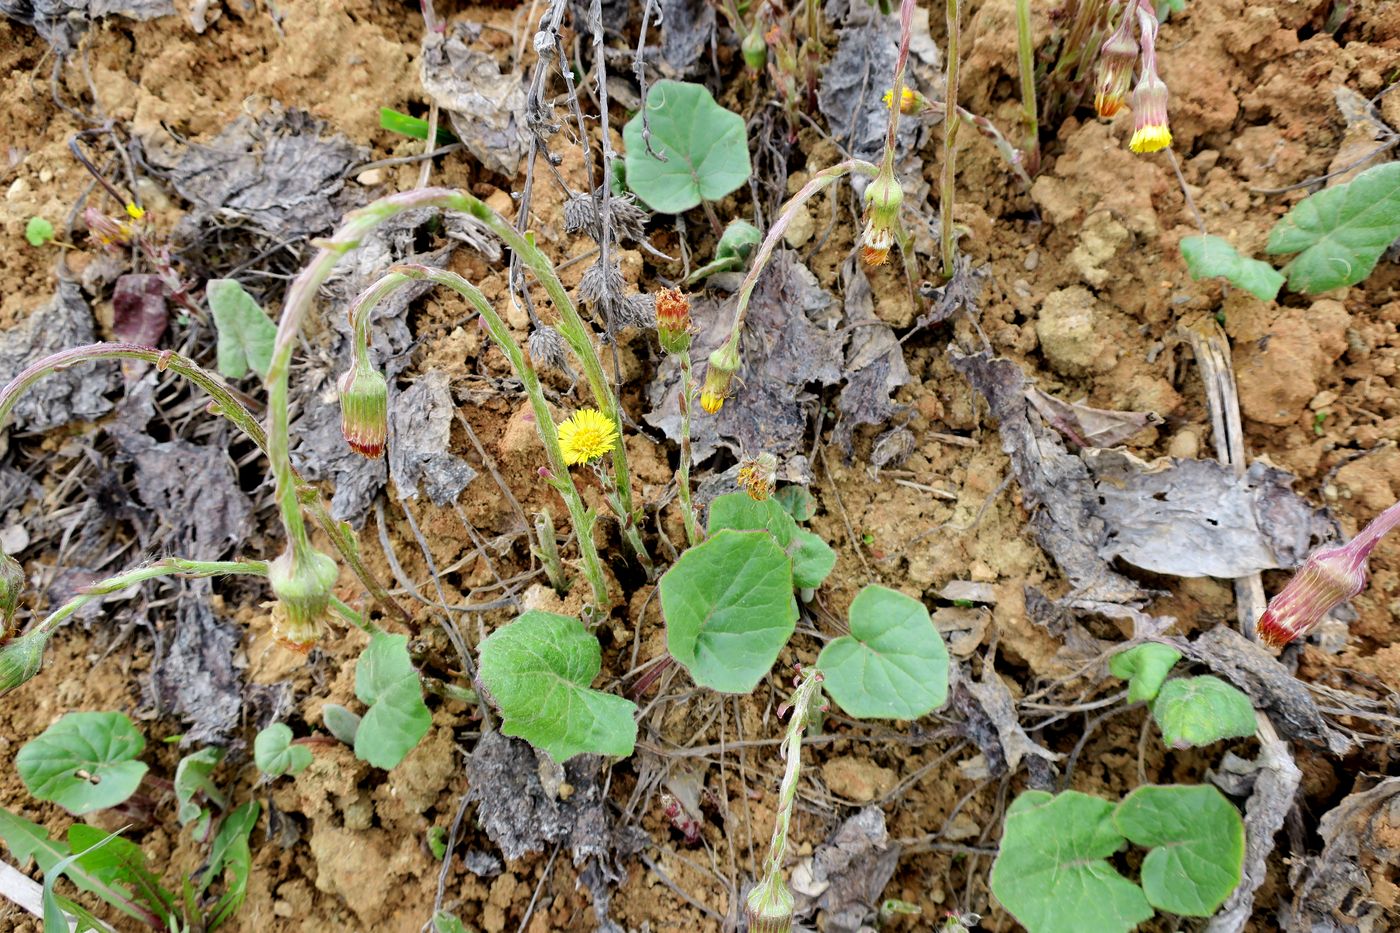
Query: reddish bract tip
[373, 448]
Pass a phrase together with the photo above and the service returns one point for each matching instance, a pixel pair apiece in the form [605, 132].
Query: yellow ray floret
[1150, 138]
[586, 436]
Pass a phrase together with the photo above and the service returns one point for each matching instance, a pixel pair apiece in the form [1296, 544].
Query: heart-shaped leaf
[538, 670]
[893, 665]
[797, 501]
[705, 148]
[1197, 842]
[1340, 232]
[729, 609]
[397, 720]
[1145, 667]
[1201, 710]
[1208, 256]
[812, 558]
[246, 333]
[1052, 872]
[84, 762]
[274, 753]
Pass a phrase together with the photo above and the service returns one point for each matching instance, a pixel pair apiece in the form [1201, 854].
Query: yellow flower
[712, 402]
[1150, 138]
[586, 436]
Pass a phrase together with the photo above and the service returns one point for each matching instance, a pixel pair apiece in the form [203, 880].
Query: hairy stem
[807, 693]
[1026, 62]
[948, 175]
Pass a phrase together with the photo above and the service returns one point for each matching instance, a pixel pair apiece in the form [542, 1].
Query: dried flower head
[637, 311]
[364, 409]
[758, 475]
[719, 377]
[600, 285]
[547, 350]
[587, 435]
[1117, 56]
[882, 199]
[673, 320]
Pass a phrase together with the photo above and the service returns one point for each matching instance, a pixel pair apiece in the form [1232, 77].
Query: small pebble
[371, 177]
[1032, 260]
[1185, 445]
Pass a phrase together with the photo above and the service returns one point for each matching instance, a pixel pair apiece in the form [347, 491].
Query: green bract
[705, 148]
[1201, 710]
[893, 665]
[538, 670]
[397, 719]
[1340, 232]
[1208, 256]
[1144, 667]
[812, 558]
[246, 333]
[729, 608]
[274, 753]
[1197, 842]
[103, 746]
[1052, 872]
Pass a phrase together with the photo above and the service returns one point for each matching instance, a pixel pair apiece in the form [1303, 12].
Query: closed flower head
[1150, 130]
[364, 409]
[719, 377]
[673, 320]
[910, 100]
[586, 436]
[302, 582]
[1115, 69]
[770, 905]
[882, 199]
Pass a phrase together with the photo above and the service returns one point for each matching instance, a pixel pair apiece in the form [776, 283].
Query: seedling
[38, 232]
[699, 151]
[246, 333]
[275, 753]
[1190, 711]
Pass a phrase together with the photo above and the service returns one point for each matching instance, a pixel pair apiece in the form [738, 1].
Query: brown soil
[1252, 108]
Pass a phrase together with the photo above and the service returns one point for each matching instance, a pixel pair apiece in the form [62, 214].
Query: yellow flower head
[1150, 139]
[586, 436]
[1150, 130]
[910, 100]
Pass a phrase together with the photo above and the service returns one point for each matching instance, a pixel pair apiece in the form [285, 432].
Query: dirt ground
[1252, 109]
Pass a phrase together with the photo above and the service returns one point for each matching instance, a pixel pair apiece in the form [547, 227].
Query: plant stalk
[1026, 62]
[692, 524]
[948, 176]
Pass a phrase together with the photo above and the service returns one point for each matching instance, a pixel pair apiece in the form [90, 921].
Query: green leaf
[27, 840]
[1340, 232]
[55, 921]
[737, 242]
[1208, 256]
[231, 855]
[412, 127]
[893, 665]
[397, 720]
[705, 148]
[444, 922]
[192, 775]
[812, 558]
[1201, 710]
[102, 746]
[1052, 872]
[1145, 667]
[538, 670]
[38, 231]
[798, 502]
[246, 333]
[341, 723]
[121, 865]
[729, 609]
[1197, 842]
[1167, 7]
[274, 753]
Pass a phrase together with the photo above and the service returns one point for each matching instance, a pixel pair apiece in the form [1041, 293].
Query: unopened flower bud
[758, 475]
[910, 100]
[1150, 130]
[1328, 578]
[1117, 56]
[302, 584]
[719, 376]
[755, 49]
[673, 320]
[364, 409]
[11, 587]
[882, 199]
[770, 906]
[21, 659]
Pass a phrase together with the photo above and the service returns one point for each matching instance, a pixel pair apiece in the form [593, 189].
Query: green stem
[227, 405]
[948, 176]
[561, 479]
[692, 525]
[1026, 61]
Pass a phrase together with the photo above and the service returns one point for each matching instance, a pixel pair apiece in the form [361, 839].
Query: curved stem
[229, 406]
[562, 479]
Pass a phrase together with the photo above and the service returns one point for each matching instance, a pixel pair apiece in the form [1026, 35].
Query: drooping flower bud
[755, 49]
[1150, 130]
[758, 475]
[21, 659]
[1117, 56]
[302, 584]
[719, 376]
[108, 231]
[673, 321]
[11, 587]
[364, 408]
[882, 199]
[1328, 578]
[770, 905]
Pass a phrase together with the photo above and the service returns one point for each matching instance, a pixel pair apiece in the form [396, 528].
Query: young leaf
[84, 762]
[1144, 667]
[231, 855]
[246, 333]
[274, 753]
[538, 670]
[1052, 872]
[1340, 232]
[737, 242]
[342, 723]
[1208, 256]
[812, 558]
[729, 609]
[387, 683]
[797, 502]
[27, 840]
[893, 665]
[1197, 842]
[192, 775]
[1200, 710]
[444, 922]
[38, 231]
[705, 148]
